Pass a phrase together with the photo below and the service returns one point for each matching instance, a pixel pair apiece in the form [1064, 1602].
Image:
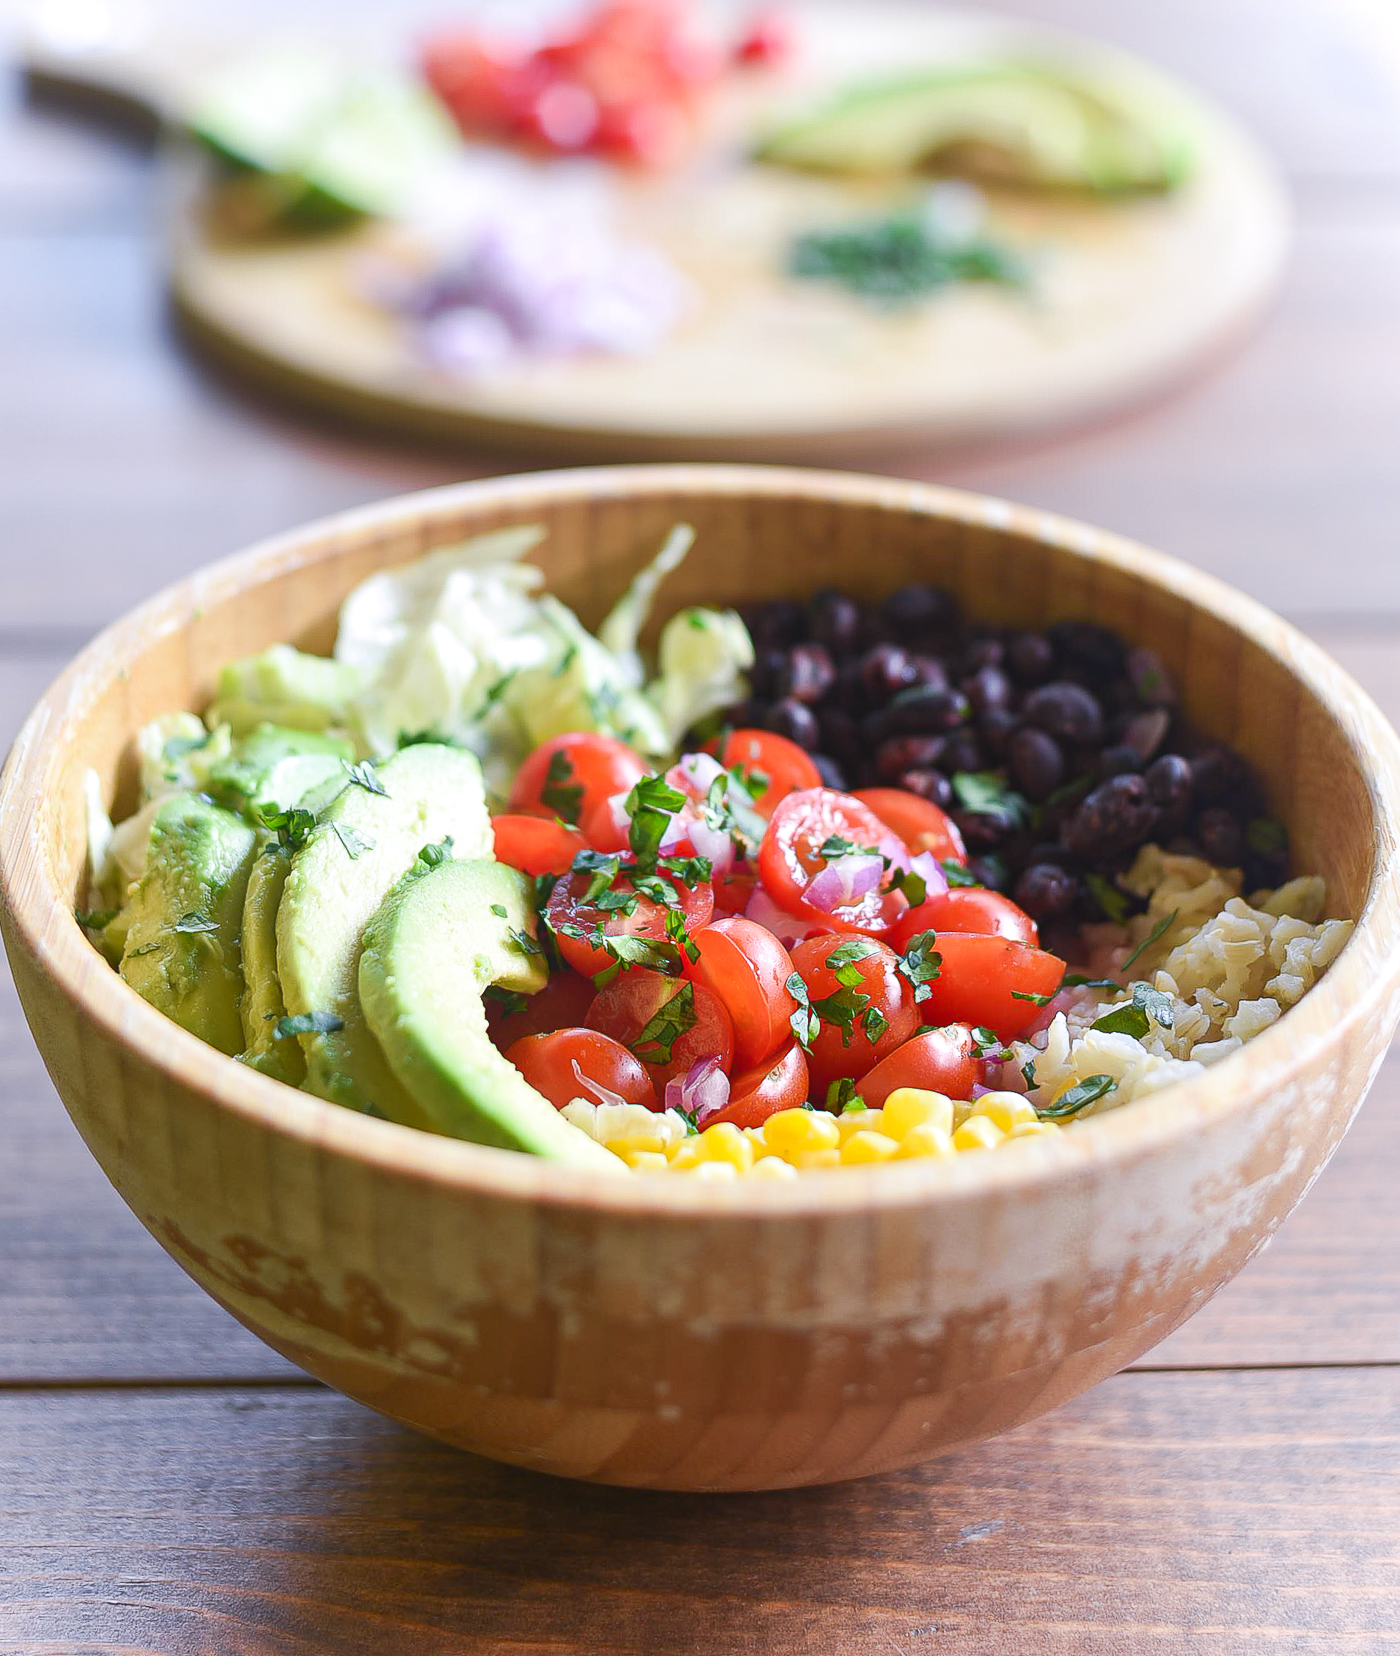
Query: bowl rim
[1364, 980]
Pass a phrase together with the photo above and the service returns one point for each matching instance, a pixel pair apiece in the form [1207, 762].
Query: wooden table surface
[167, 1484]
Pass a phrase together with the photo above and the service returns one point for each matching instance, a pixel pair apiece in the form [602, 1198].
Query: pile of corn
[913, 1124]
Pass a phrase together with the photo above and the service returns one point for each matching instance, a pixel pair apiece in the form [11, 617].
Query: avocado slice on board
[181, 951]
[441, 938]
[368, 838]
[262, 1006]
[275, 767]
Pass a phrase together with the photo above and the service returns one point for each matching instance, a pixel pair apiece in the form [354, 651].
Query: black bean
[767, 672]
[929, 672]
[987, 688]
[1036, 764]
[989, 872]
[996, 727]
[1145, 732]
[1115, 818]
[746, 715]
[795, 720]
[920, 611]
[1030, 657]
[1169, 783]
[902, 753]
[1064, 710]
[1151, 683]
[963, 753]
[928, 784]
[1265, 869]
[840, 733]
[1117, 760]
[928, 710]
[776, 624]
[1091, 649]
[1043, 851]
[983, 830]
[885, 670]
[1220, 777]
[1046, 891]
[831, 773]
[1220, 836]
[835, 620]
[980, 650]
[807, 673]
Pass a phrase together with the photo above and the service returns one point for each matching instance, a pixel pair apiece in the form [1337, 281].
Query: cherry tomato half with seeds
[918, 822]
[778, 1083]
[536, 844]
[940, 1060]
[666, 1022]
[568, 775]
[966, 909]
[562, 1063]
[980, 978]
[748, 968]
[562, 1003]
[791, 858]
[865, 1005]
[769, 765]
[621, 910]
[733, 890]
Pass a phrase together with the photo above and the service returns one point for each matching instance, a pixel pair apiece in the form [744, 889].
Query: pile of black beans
[1058, 752]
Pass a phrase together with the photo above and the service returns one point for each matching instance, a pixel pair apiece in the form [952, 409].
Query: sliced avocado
[442, 937]
[182, 942]
[262, 1007]
[283, 686]
[364, 844]
[1028, 123]
[274, 768]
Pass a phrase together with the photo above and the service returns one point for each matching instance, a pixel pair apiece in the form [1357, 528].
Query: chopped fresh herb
[842, 1007]
[95, 919]
[900, 257]
[628, 951]
[687, 871]
[1075, 1098]
[601, 869]
[1136, 1017]
[874, 1023]
[650, 805]
[423, 738]
[1159, 931]
[564, 798]
[1035, 1000]
[847, 953]
[985, 793]
[677, 933]
[728, 808]
[544, 889]
[505, 1001]
[842, 1095]
[291, 826]
[920, 963]
[362, 776]
[1114, 903]
[523, 941]
[958, 873]
[500, 911]
[653, 887]
[194, 922]
[307, 1023]
[433, 856]
[1077, 980]
[616, 901]
[176, 747]
[751, 779]
[834, 846]
[1028, 1072]
[352, 839]
[804, 1022]
[665, 1027]
[913, 885]
[1266, 836]
[989, 1046]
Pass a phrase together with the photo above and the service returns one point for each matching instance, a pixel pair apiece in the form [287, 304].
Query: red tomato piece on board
[667, 1022]
[918, 822]
[865, 1005]
[748, 968]
[966, 909]
[990, 981]
[940, 1060]
[535, 844]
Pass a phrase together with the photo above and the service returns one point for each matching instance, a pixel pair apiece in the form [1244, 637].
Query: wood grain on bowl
[665, 1333]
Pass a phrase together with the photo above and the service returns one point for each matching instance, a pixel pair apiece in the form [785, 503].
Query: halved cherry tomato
[666, 1022]
[781, 765]
[940, 1060]
[778, 1083]
[918, 822]
[790, 858]
[561, 1064]
[734, 889]
[568, 775]
[571, 918]
[748, 968]
[536, 845]
[863, 1020]
[980, 977]
[604, 828]
[966, 909]
[562, 1003]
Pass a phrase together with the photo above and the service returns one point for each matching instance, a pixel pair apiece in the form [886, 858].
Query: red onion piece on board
[701, 1093]
[845, 880]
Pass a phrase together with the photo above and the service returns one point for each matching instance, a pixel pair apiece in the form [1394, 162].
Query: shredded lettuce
[622, 626]
[702, 659]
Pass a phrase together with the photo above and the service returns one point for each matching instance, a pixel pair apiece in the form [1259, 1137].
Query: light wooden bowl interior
[658, 1332]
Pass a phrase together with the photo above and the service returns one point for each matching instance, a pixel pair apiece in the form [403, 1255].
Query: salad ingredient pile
[483, 874]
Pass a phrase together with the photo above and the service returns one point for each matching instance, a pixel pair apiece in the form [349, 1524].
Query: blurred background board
[1124, 297]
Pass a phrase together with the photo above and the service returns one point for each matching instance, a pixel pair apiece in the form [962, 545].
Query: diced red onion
[617, 810]
[931, 872]
[701, 1093]
[713, 843]
[604, 1095]
[845, 880]
[979, 1091]
[787, 928]
[694, 773]
[676, 830]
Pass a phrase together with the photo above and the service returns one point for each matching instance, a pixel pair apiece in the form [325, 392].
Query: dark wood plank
[1160, 1514]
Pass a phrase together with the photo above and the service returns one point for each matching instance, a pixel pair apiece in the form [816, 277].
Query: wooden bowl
[662, 1332]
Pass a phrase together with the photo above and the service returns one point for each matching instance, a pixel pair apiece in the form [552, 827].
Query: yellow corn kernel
[773, 1167]
[724, 1142]
[1034, 1129]
[857, 1121]
[646, 1161]
[686, 1154]
[811, 1160]
[962, 1109]
[801, 1130]
[713, 1170]
[978, 1133]
[908, 1107]
[927, 1139]
[866, 1146]
[1006, 1109]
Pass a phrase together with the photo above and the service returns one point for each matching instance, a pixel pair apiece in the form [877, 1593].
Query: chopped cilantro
[563, 797]
[433, 856]
[845, 955]
[842, 1096]
[351, 838]
[650, 805]
[601, 870]
[1028, 1072]
[654, 888]
[843, 1007]
[523, 941]
[686, 871]
[1075, 1098]
[307, 1023]
[834, 846]
[1114, 903]
[874, 1023]
[616, 901]
[676, 1017]
[990, 1047]
[291, 826]
[677, 933]
[958, 873]
[1077, 980]
[1154, 936]
[920, 963]
[1035, 1000]
[362, 776]
[804, 1022]
[913, 885]
[505, 1001]
[1136, 1017]
[500, 911]
[985, 793]
[194, 922]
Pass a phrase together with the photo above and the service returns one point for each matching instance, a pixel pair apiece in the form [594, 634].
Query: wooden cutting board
[1126, 297]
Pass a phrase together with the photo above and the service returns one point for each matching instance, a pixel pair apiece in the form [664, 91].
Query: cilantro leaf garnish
[362, 776]
[1114, 903]
[958, 874]
[654, 887]
[1084, 1092]
[1035, 1000]
[990, 1047]
[846, 954]
[351, 838]
[616, 901]
[563, 797]
[627, 952]
[523, 941]
[194, 922]
[506, 1001]
[1028, 1072]
[985, 793]
[291, 826]
[804, 1022]
[920, 963]
[1077, 980]
[873, 1024]
[914, 886]
[677, 933]
[1154, 936]
[1136, 1017]
[307, 1023]
[666, 1026]
[687, 871]
[433, 856]
[842, 1096]
[650, 805]
[602, 869]
[834, 846]
[843, 1007]
[500, 911]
